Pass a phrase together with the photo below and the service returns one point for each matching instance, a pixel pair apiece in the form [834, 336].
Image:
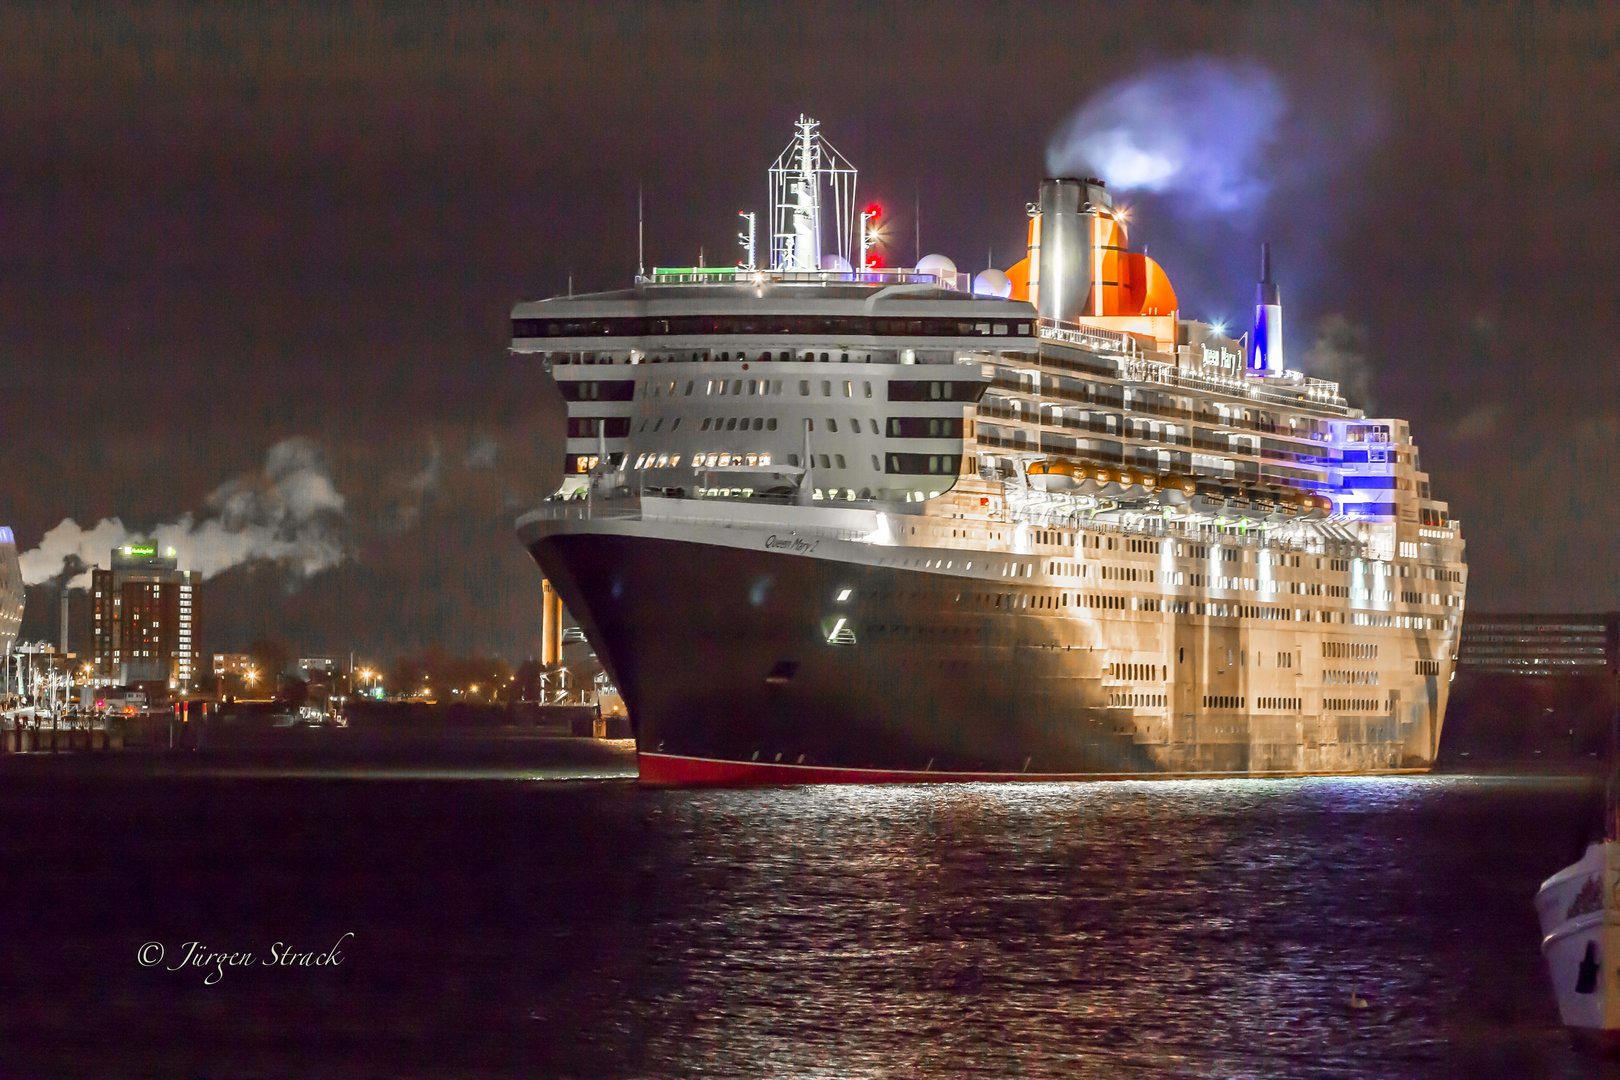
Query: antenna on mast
[746, 239]
[641, 236]
[916, 218]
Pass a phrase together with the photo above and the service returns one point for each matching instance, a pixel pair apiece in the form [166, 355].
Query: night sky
[222, 229]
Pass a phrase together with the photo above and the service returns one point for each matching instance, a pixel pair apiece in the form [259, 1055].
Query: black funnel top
[1266, 292]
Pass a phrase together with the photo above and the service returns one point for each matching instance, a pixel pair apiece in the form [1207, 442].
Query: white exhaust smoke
[288, 512]
[1196, 131]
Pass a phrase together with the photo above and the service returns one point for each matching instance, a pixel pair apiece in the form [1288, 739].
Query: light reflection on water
[521, 921]
[1188, 928]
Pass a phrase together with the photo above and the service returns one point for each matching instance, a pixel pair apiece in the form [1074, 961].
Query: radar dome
[836, 263]
[943, 269]
[992, 283]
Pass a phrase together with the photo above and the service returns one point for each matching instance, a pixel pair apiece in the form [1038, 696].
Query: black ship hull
[743, 666]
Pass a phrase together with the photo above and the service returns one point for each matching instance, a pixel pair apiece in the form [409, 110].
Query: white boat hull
[1579, 909]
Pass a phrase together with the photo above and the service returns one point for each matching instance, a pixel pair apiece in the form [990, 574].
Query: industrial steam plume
[287, 512]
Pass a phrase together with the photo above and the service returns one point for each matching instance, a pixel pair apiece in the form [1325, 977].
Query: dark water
[509, 926]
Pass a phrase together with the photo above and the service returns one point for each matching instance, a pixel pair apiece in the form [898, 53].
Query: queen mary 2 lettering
[826, 523]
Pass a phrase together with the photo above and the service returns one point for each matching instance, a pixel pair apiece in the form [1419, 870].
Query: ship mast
[802, 172]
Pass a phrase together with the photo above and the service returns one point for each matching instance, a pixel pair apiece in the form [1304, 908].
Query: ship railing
[1319, 394]
[737, 275]
[1058, 511]
[1136, 367]
[631, 508]
[586, 509]
[1092, 337]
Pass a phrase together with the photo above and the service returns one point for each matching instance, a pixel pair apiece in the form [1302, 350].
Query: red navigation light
[874, 211]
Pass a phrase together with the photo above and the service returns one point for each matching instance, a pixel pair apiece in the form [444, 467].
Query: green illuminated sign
[135, 550]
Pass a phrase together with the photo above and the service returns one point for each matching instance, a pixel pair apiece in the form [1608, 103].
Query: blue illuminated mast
[1266, 358]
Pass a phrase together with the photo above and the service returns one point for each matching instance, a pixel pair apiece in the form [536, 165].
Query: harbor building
[1544, 645]
[11, 591]
[142, 612]
[1534, 690]
[236, 663]
[11, 609]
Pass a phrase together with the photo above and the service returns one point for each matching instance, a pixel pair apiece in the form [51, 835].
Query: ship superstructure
[863, 524]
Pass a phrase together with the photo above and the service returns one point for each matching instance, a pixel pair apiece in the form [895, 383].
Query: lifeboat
[1053, 475]
[1176, 490]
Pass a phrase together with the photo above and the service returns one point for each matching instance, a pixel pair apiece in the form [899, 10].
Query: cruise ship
[825, 522]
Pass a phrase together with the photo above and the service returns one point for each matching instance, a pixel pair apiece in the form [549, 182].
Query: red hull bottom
[675, 770]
